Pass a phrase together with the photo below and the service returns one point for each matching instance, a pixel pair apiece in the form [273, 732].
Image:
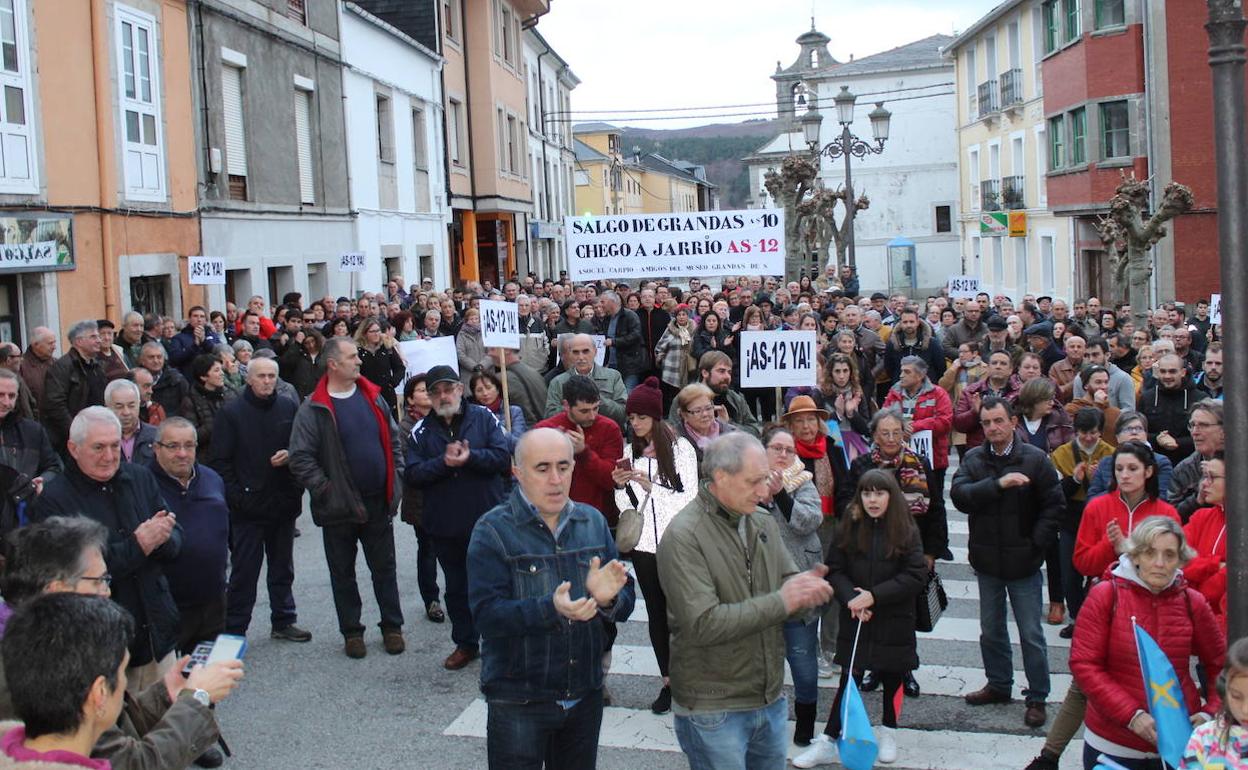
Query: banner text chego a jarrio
[693, 243]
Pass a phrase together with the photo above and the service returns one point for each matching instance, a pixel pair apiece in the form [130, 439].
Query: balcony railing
[987, 97]
[1013, 193]
[990, 194]
[1011, 88]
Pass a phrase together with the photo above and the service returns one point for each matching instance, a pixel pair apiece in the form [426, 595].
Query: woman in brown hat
[819, 452]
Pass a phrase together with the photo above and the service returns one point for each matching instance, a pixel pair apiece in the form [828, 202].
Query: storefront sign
[30, 243]
[994, 223]
[1018, 224]
[678, 244]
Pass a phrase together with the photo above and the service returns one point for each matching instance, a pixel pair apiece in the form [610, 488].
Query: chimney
[637, 154]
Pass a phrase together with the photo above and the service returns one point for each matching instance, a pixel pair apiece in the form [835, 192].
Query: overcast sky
[653, 54]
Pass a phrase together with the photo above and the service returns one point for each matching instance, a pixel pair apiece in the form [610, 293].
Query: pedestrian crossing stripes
[639, 729]
[953, 681]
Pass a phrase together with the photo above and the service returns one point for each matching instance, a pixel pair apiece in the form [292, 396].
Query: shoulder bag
[930, 603]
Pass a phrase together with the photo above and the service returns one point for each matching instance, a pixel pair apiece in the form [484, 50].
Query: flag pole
[502, 362]
[853, 655]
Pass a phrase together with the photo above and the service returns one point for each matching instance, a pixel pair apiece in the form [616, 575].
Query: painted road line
[952, 681]
[931, 749]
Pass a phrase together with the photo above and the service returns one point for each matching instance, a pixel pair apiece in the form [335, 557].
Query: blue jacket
[528, 650]
[182, 348]
[456, 497]
[1105, 474]
[197, 576]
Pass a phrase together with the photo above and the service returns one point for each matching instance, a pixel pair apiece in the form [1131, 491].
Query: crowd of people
[164, 462]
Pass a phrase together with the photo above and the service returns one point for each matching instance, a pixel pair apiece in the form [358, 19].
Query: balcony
[1014, 193]
[990, 195]
[1011, 88]
[987, 98]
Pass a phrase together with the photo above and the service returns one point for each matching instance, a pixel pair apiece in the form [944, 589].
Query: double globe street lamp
[846, 145]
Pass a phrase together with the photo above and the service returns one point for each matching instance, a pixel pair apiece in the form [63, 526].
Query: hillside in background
[719, 147]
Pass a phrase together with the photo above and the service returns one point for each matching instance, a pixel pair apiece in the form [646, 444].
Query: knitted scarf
[817, 451]
[908, 468]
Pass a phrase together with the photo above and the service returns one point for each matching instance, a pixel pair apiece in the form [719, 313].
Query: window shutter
[303, 141]
[235, 136]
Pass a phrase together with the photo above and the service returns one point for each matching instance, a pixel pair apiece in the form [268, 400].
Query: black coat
[246, 433]
[887, 641]
[139, 584]
[204, 407]
[24, 447]
[1010, 529]
[300, 370]
[630, 353]
[1168, 410]
[172, 392]
[384, 368]
[72, 385]
[927, 347]
[653, 323]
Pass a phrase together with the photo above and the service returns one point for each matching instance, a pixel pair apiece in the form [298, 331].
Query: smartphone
[199, 657]
[228, 647]
[624, 464]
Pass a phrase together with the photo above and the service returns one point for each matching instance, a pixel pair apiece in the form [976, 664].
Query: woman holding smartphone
[658, 476]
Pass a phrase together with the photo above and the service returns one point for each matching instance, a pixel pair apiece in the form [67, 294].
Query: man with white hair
[74, 382]
[142, 535]
[38, 358]
[124, 398]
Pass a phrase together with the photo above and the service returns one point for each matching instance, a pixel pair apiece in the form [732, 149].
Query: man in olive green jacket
[730, 585]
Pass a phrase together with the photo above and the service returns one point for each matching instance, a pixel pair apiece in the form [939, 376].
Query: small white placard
[1215, 309]
[963, 286]
[921, 444]
[351, 262]
[205, 270]
[500, 324]
[777, 358]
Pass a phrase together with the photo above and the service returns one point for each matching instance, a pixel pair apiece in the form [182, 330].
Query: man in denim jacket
[543, 577]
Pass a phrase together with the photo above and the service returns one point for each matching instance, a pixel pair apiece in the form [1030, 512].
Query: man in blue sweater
[196, 494]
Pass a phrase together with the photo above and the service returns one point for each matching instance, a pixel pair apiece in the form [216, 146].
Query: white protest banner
[420, 356]
[205, 270]
[500, 325]
[921, 444]
[676, 244]
[600, 348]
[1215, 309]
[351, 262]
[963, 286]
[779, 358]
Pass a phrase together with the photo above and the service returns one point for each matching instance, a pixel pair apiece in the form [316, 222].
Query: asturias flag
[1165, 699]
[857, 742]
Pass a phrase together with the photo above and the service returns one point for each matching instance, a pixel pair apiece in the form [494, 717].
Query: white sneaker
[827, 669]
[822, 751]
[888, 747]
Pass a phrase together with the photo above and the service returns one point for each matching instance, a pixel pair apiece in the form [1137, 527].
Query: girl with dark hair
[380, 361]
[1222, 742]
[712, 335]
[657, 476]
[488, 392]
[1133, 496]
[876, 567]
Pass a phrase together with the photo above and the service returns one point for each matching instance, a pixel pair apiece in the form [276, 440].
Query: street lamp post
[1227, 59]
[846, 145]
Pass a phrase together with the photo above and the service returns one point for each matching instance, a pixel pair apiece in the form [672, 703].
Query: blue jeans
[537, 734]
[631, 381]
[801, 650]
[736, 740]
[994, 640]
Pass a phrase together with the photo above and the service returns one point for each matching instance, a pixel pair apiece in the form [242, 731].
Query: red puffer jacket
[1106, 664]
[1206, 532]
[930, 410]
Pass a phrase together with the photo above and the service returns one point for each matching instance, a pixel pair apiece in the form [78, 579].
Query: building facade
[1129, 91]
[610, 181]
[98, 209]
[551, 155]
[1003, 157]
[393, 88]
[270, 139]
[908, 239]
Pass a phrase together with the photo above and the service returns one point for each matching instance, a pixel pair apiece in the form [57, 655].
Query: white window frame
[1042, 165]
[455, 136]
[1048, 260]
[135, 189]
[1022, 266]
[303, 90]
[235, 165]
[26, 132]
[972, 176]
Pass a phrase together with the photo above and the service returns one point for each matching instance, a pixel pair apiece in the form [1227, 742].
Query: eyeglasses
[1211, 477]
[174, 446]
[1194, 424]
[701, 411]
[105, 580]
[780, 449]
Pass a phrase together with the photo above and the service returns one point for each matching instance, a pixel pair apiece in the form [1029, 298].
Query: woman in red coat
[1206, 533]
[1145, 588]
[1134, 495]
[925, 407]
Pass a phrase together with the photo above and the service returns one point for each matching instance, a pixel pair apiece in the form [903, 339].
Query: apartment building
[1009, 236]
[551, 154]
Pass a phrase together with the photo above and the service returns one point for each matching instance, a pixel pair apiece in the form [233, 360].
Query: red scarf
[496, 406]
[822, 470]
